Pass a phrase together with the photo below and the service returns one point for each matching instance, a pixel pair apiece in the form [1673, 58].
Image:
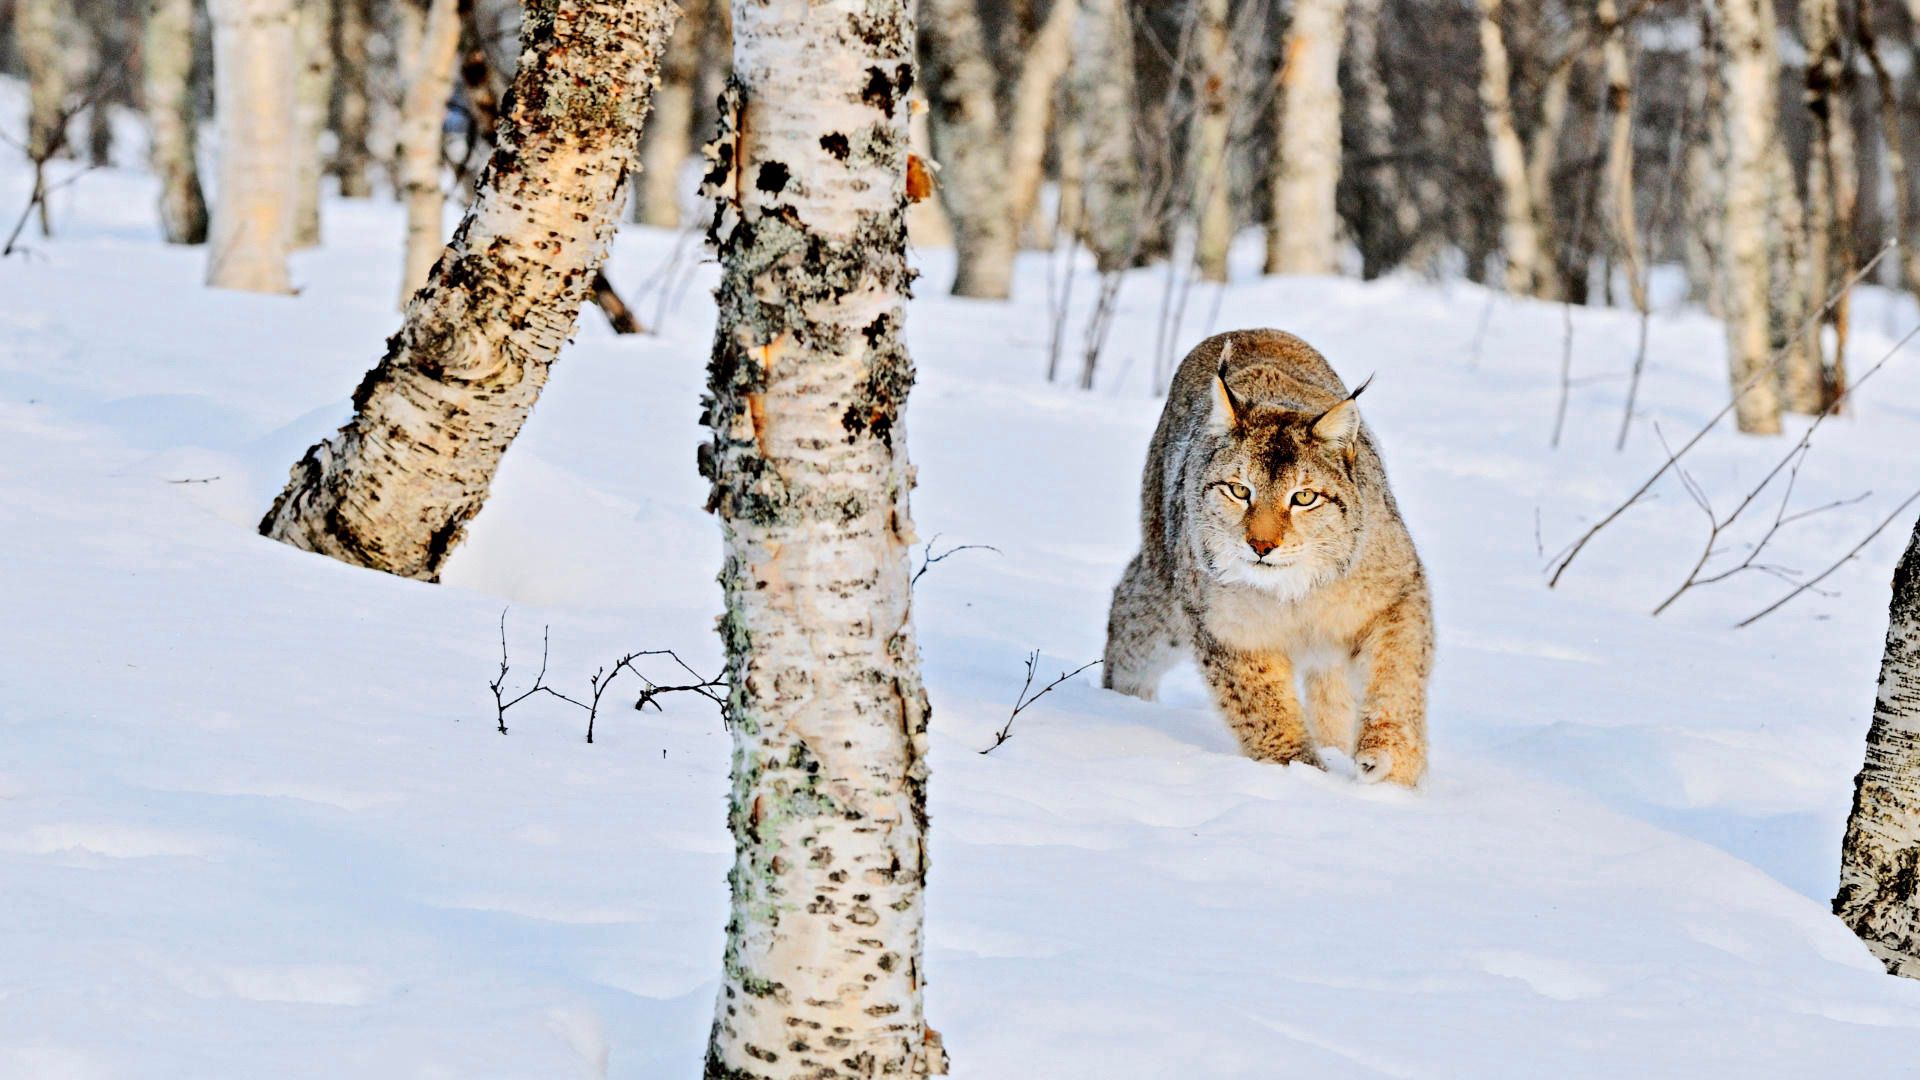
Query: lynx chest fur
[1272, 552]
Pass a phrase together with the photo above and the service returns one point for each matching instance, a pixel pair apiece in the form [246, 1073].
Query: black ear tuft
[1362, 388]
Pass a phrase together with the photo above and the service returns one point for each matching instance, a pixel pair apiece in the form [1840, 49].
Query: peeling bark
[253, 58]
[428, 56]
[1752, 78]
[808, 386]
[167, 67]
[394, 488]
[1304, 223]
[1879, 894]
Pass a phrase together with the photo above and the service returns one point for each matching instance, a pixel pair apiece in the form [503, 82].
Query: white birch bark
[1212, 119]
[823, 969]
[1792, 341]
[1619, 167]
[1303, 225]
[669, 136]
[1749, 103]
[394, 488]
[1034, 93]
[351, 117]
[1101, 91]
[423, 110]
[167, 89]
[313, 87]
[253, 70]
[968, 141]
[42, 38]
[1706, 160]
[1879, 895]
[1520, 240]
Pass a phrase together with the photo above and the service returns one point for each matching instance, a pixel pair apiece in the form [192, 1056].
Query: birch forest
[580, 538]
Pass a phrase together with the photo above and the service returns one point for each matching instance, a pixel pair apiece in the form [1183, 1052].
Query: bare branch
[1020, 703]
[1842, 561]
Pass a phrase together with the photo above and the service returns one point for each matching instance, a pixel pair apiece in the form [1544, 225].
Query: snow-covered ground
[255, 819]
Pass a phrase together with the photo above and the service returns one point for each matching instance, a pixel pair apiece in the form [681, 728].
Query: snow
[255, 819]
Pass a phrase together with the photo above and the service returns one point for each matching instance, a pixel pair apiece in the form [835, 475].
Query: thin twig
[1822, 576]
[1020, 703]
[928, 558]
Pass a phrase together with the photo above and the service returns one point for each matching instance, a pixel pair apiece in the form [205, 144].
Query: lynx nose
[1260, 547]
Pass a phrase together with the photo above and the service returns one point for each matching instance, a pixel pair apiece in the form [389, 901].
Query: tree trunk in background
[1879, 893]
[964, 121]
[1833, 188]
[41, 38]
[1212, 118]
[1528, 267]
[253, 68]
[1752, 80]
[394, 488]
[1377, 130]
[350, 114]
[313, 86]
[808, 460]
[1794, 341]
[1619, 167]
[423, 112]
[1887, 107]
[1100, 90]
[1304, 223]
[167, 67]
[1047, 56]
[1706, 161]
[669, 137]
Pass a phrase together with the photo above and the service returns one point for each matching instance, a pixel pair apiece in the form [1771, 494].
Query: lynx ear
[1226, 407]
[1341, 423]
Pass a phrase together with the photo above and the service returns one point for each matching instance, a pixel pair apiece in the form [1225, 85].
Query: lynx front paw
[1377, 764]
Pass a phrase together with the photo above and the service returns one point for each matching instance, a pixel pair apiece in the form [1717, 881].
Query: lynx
[1272, 548]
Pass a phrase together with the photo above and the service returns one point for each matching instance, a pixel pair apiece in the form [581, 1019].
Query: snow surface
[255, 820]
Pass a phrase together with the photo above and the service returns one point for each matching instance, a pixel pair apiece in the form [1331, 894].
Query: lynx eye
[1304, 498]
[1238, 491]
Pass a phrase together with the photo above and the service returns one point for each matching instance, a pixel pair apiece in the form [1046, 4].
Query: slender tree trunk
[1619, 182]
[1528, 272]
[1706, 161]
[1887, 106]
[1879, 893]
[167, 64]
[41, 37]
[1212, 118]
[423, 112]
[669, 137]
[350, 114]
[1304, 223]
[970, 145]
[1752, 81]
[808, 389]
[1034, 93]
[253, 68]
[394, 488]
[1101, 89]
[1797, 345]
[313, 85]
[1833, 187]
[1388, 196]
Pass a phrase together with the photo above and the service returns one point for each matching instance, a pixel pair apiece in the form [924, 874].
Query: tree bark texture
[668, 140]
[1879, 893]
[823, 973]
[167, 69]
[428, 78]
[969, 143]
[1211, 131]
[253, 61]
[1527, 272]
[1101, 92]
[1304, 223]
[313, 88]
[351, 117]
[1749, 103]
[394, 488]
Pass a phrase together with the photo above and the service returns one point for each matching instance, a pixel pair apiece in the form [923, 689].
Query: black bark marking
[772, 178]
[836, 144]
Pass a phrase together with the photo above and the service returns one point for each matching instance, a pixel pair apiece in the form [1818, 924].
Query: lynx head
[1279, 502]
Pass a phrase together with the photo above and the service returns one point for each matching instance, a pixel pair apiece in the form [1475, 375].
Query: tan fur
[1266, 592]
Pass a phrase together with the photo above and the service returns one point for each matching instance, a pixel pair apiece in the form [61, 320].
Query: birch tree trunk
[1101, 90]
[1212, 119]
[1619, 174]
[1303, 224]
[1034, 93]
[394, 488]
[964, 121]
[808, 389]
[1833, 187]
[1528, 272]
[1879, 893]
[313, 86]
[1752, 81]
[42, 38]
[669, 137]
[1389, 196]
[167, 68]
[1892, 135]
[1795, 343]
[423, 110]
[1706, 160]
[253, 69]
[351, 119]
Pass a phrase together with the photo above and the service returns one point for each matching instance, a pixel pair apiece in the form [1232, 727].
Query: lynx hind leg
[1255, 692]
[1144, 637]
[1332, 714]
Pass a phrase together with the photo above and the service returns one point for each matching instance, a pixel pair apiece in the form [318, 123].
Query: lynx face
[1277, 503]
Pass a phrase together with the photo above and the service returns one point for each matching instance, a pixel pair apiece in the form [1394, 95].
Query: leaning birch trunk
[253, 61]
[1100, 91]
[1526, 273]
[1832, 193]
[351, 119]
[1304, 222]
[1879, 893]
[394, 488]
[313, 86]
[808, 387]
[1212, 118]
[668, 139]
[428, 79]
[167, 68]
[1047, 56]
[964, 121]
[1619, 168]
[1748, 102]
